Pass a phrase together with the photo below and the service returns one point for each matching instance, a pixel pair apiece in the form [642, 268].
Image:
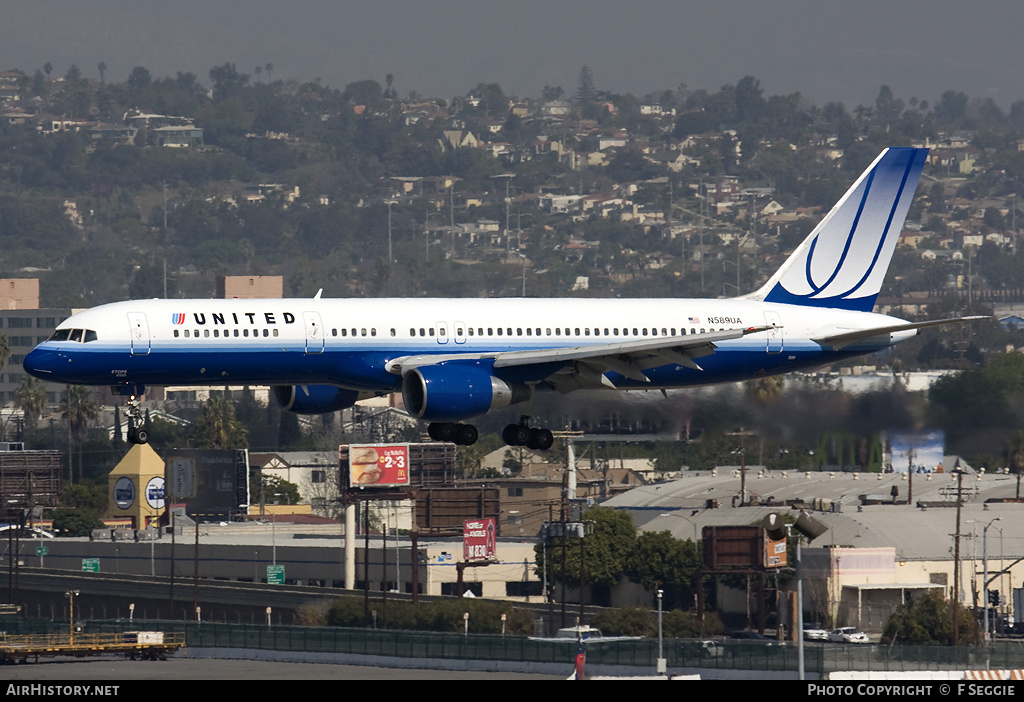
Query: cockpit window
[79, 335]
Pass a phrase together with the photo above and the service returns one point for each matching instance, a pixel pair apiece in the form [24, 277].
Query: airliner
[456, 359]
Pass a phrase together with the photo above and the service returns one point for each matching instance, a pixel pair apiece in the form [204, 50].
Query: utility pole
[956, 556]
[743, 461]
[391, 258]
[910, 475]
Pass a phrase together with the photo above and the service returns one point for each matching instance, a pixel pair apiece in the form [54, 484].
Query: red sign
[378, 464]
[479, 540]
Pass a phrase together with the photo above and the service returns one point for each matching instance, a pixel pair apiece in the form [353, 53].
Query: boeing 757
[456, 359]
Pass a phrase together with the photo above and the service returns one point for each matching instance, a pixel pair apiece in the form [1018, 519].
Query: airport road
[114, 671]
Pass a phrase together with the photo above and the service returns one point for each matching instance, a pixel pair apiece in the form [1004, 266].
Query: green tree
[78, 409]
[75, 522]
[30, 398]
[227, 81]
[604, 552]
[278, 491]
[586, 89]
[929, 620]
[139, 79]
[5, 350]
[85, 495]
[217, 426]
[660, 560]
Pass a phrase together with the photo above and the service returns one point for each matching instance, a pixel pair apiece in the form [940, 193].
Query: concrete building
[249, 287]
[25, 326]
[880, 550]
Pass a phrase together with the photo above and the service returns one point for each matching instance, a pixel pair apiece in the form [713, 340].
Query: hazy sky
[825, 50]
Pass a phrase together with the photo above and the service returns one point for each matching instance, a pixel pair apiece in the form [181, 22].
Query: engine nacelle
[451, 393]
[313, 399]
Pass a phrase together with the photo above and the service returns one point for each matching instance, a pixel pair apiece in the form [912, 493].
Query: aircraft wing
[585, 366]
[844, 339]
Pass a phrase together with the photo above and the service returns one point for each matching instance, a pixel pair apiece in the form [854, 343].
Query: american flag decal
[178, 318]
[694, 320]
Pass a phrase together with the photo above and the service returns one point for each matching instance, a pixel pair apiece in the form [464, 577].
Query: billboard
[742, 547]
[378, 465]
[447, 509]
[209, 482]
[478, 540]
[920, 451]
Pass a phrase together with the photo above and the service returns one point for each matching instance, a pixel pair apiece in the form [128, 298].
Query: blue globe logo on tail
[844, 260]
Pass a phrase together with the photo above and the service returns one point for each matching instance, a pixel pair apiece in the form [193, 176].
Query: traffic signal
[993, 598]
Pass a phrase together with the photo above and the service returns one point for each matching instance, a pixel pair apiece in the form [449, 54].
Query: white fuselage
[349, 342]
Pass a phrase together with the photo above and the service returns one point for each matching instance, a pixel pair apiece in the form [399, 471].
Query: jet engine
[450, 393]
[313, 399]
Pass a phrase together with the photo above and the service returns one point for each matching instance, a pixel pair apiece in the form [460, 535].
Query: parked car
[814, 632]
[753, 637]
[848, 634]
[705, 648]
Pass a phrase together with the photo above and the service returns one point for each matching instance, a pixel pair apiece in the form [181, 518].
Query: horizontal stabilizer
[841, 341]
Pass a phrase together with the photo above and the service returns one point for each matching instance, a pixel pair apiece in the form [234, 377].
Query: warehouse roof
[858, 509]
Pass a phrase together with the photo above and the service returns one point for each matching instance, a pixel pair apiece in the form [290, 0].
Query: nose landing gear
[137, 433]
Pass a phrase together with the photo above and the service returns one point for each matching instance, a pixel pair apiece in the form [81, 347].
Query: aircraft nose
[42, 363]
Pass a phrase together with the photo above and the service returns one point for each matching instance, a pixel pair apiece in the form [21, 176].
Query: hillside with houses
[116, 190]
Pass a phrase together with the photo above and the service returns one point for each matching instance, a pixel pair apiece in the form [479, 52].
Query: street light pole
[661, 658]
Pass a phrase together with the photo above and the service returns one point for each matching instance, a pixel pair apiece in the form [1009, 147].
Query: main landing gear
[461, 434]
[137, 433]
[514, 434]
[522, 435]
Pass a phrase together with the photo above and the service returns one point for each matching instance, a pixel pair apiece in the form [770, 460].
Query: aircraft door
[314, 332]
[459, 330]
[139, 330]
[774, 344]
[442, 332]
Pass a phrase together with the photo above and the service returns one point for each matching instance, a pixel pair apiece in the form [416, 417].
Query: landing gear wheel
[516, 435]
[540, 440]
[141, 436]
[441, 431]
[466, 434]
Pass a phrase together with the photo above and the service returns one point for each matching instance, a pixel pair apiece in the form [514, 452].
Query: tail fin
[843, 261]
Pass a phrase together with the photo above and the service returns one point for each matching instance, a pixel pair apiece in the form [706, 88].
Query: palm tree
[217, 427]
[78, 408]
[30, 398]
[5, 350]
[1015, 454]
